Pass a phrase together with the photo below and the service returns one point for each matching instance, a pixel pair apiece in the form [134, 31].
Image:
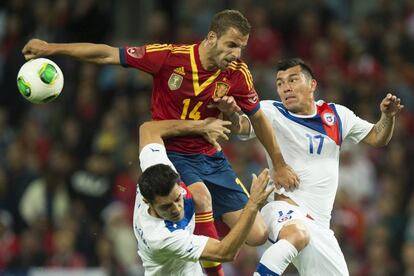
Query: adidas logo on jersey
[180, 70]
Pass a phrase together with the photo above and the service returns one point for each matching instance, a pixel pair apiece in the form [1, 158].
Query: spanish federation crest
[221, 89]
[175, 81]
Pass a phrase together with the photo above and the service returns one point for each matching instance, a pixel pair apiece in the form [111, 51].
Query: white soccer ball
[40, 80]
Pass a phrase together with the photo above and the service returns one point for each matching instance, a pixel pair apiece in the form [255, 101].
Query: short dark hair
[226, 19]
[292, 62]
[157, 180]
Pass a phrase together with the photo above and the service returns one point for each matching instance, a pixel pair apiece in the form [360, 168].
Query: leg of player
[293, 237]
[205, 222]
[258, 233]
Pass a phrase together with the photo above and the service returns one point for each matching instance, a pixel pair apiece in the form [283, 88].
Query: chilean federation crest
[175, 81]
[284, 216]
[329, 118]
[221, 89]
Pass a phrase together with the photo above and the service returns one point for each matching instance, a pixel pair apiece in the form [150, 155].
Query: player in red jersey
[187, 80]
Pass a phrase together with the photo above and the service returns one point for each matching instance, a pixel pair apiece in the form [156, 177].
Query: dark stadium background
[68, 168]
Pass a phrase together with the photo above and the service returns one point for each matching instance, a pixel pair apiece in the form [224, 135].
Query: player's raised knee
[258, 235]
[201, 197]
[296, 233]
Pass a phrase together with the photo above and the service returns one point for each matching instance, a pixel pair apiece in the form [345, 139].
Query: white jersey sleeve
[153, 154]
[182, 245]
[251, 134]
[268, 109]
[354, 128]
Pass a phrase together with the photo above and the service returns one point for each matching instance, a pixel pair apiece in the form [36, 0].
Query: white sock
[277, 258]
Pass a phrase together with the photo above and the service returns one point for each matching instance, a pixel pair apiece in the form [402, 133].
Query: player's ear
[146, 201]
[211, 38]
[313, 84]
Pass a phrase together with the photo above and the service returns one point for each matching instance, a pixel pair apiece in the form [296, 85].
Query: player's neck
[203, 52]
[310, 109]
[152, 212]
[307, 110]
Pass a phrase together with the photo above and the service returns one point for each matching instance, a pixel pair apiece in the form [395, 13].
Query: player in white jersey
[310, 135]
[164, 215]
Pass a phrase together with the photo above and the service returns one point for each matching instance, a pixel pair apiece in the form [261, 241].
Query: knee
[260, 235]
[296, 233]
[201, 197]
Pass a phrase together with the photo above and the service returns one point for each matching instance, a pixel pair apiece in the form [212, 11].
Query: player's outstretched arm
[381, 133]
[154, 131]
[88, 52]
[226, 249]
[283, 175]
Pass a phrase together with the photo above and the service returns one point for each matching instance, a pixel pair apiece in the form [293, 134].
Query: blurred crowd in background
[68, 169]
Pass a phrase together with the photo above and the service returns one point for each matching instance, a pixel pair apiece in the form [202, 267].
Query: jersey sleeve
[268, 109]
[183, 245]
[153, 154]
[148, 58]
[353, 127]
[243, 90]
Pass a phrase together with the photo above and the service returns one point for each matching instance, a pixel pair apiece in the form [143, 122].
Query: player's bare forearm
[155, 131]
[88, 52]
[226, 249]
[264, 133]
[381, 132]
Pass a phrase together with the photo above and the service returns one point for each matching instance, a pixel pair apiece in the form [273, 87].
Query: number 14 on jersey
[194, 113]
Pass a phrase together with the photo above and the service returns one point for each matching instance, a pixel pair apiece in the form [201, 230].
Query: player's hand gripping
[391, 105]
[226, 104]
[258, 190]
[285, 178]
[213, 129]
[35, 48]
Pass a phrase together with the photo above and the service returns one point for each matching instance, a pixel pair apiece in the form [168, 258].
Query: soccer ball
[40, 80]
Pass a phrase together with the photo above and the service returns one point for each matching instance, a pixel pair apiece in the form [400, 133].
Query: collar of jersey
[304, 116]
[195, 65]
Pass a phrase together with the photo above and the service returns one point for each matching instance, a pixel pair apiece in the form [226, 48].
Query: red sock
[215, 271]
[222, 228]
[205, 227]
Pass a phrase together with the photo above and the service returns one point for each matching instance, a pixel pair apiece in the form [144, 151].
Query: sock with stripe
[205, 227]
[222, 228]
[276, 258]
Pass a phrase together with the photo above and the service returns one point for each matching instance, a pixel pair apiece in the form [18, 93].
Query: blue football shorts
[227, 191]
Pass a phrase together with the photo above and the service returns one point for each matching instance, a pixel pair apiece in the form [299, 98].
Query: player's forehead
[292, 71]
[175, 193]
[234, 35]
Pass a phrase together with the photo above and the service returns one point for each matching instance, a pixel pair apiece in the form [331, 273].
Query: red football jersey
[183, 89]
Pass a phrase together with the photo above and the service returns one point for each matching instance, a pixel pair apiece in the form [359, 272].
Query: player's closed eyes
[234, 45]
[168, 206]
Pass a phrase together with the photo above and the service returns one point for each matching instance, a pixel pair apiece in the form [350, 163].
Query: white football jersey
[310, 145]
[166, 247]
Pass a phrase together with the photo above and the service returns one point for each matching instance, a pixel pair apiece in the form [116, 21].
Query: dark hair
[289, 63]
[226, 19]
[157, 180]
